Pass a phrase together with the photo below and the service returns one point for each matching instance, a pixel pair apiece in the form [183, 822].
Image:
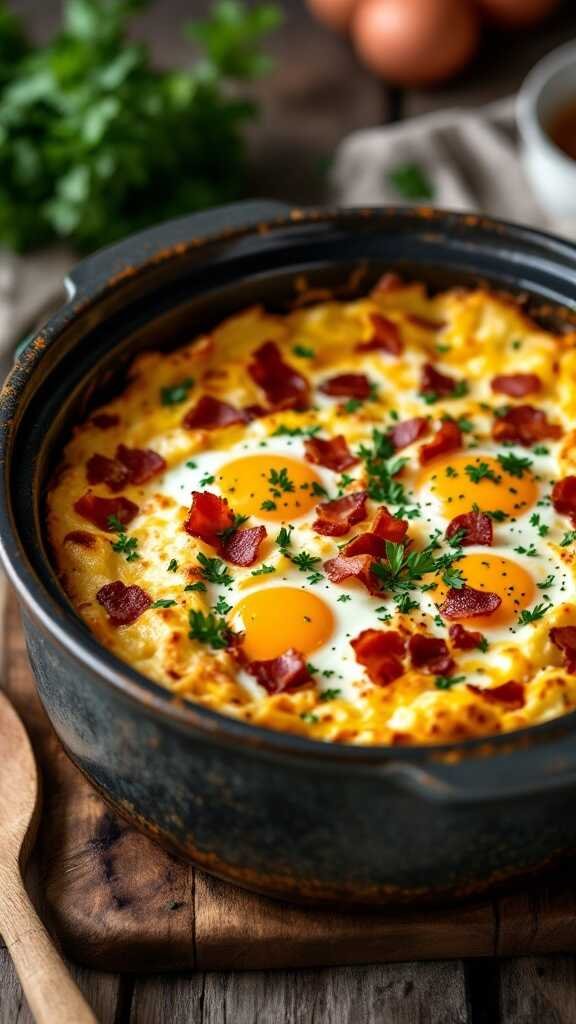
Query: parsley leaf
[284, 431]
[172, 565]
[537, 612]
[447, 682]
[178, 393]
[209, 629]
[284, 538]
[514, 465]
[126, 546]
[163, 602]
[303, 352]
[481, 471]
[305, 561]
[411, 181]
[264, 570]
[214, 570]
[568, 539]
[222, 607]
[280, 482]
[330, 694]
[199, 586]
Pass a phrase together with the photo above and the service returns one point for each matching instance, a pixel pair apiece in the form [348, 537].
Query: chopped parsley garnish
[530, 552]
[310, 718]
[329, 694]
[541, 449]
[191, 464]
[178, 393]
[411, 181]
[209, 629]
[305, 561]
[264, 570]
[317, 490]
[207, 479]
[516, 344]
[447, 682]
[568, 538]
[483, 645]
[284, 538]
[314, 578]
[457, 538]
[514, 465]
[537, 612]
[199, 586]
[268, 505]
[381, 471]
[114, 525]
[401, 570]
[303, 352]
[343, 598]
[222, 607]
[280, 482]
[543, 529]
[214, 570]
[353, 404]
[496, 514]
[481, 472]
[172, 565]
[127, 546]
[284, 431]
[453, 578]
[163, 602]
[451, 472]
[405, 604]
[547, 583]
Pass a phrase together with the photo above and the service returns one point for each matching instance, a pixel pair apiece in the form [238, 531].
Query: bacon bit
[210, 413]
[347, 385]
[123, 604]
[467, 602]
[283, 386]
[447, 438]
[510, 693]
[525, 425]
[389, 527]
[564, 637]
[408, 431]
[105, 420]
[102, 470]
[425, 322]
[336, 517]
[477, 527]
[389, 282]
[254, 412]
[380, 651]
[564, 497]
[241, 548]
[436, 383]
[82, 538]
[516, 385]
[345, 567]
[333, 453]
[385, 337]
[281, 674]
[141, 463]
[99, 510]
[464, 639]
[209, 515]
[430, 653]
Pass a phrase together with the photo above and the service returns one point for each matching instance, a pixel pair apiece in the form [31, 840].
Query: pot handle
[94, 271]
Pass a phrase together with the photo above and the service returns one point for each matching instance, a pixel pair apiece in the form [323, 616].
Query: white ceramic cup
[552, 173]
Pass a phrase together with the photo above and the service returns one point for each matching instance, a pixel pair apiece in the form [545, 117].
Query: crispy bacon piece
[564, 637]
[210, 413]
[430, 653]
[82, 538]
[347, 385]
[436, 383]
[408, 431]
[425, 322]
[283, 386]
[99, 510]
[102, 470]
[209, 515]
[141, 463]
[380, 652]
[281, 674]
[516, 385]
[477, 527]
[447, 438]
[511, 694]
[241, 547]
[123, 604]
[105, 420]
[464, 639]
[564, 497]
[524, 424]
[385, 337]
[336, 517]
[333, 453]
[467, 602]
[345, 567]
[385, 527]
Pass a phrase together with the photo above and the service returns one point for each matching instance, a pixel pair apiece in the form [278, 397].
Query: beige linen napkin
[471, 158]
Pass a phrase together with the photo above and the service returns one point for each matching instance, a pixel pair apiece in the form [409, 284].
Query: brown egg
[415, 42]
[336, 14]
[517, 13]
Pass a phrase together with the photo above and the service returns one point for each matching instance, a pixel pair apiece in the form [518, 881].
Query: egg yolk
[277, 618]
[270, 486]
[460, 481]
[500, 576]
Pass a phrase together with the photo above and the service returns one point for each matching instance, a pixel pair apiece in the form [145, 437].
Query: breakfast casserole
[354, 522]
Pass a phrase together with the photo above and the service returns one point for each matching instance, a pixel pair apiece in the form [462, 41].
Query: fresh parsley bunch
[95, 142]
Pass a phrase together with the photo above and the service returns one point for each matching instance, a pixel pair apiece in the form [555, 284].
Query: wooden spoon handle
[51, 994]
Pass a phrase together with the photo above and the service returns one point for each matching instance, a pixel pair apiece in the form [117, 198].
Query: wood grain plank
[13, 1008]
[538, 990]
[101, 991]
[394, 994]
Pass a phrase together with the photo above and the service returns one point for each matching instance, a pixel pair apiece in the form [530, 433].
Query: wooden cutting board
[119, 902]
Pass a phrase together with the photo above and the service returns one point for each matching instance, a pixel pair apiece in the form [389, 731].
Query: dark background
[319, 91]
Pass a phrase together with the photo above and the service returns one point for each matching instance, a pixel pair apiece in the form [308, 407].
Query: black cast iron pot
[283, 815]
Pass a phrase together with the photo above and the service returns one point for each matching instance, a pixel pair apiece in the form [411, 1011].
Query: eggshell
[334, 13]
[412, 42]
[517, 13]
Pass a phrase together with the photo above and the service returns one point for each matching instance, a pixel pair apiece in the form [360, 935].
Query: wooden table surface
[317, 94]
